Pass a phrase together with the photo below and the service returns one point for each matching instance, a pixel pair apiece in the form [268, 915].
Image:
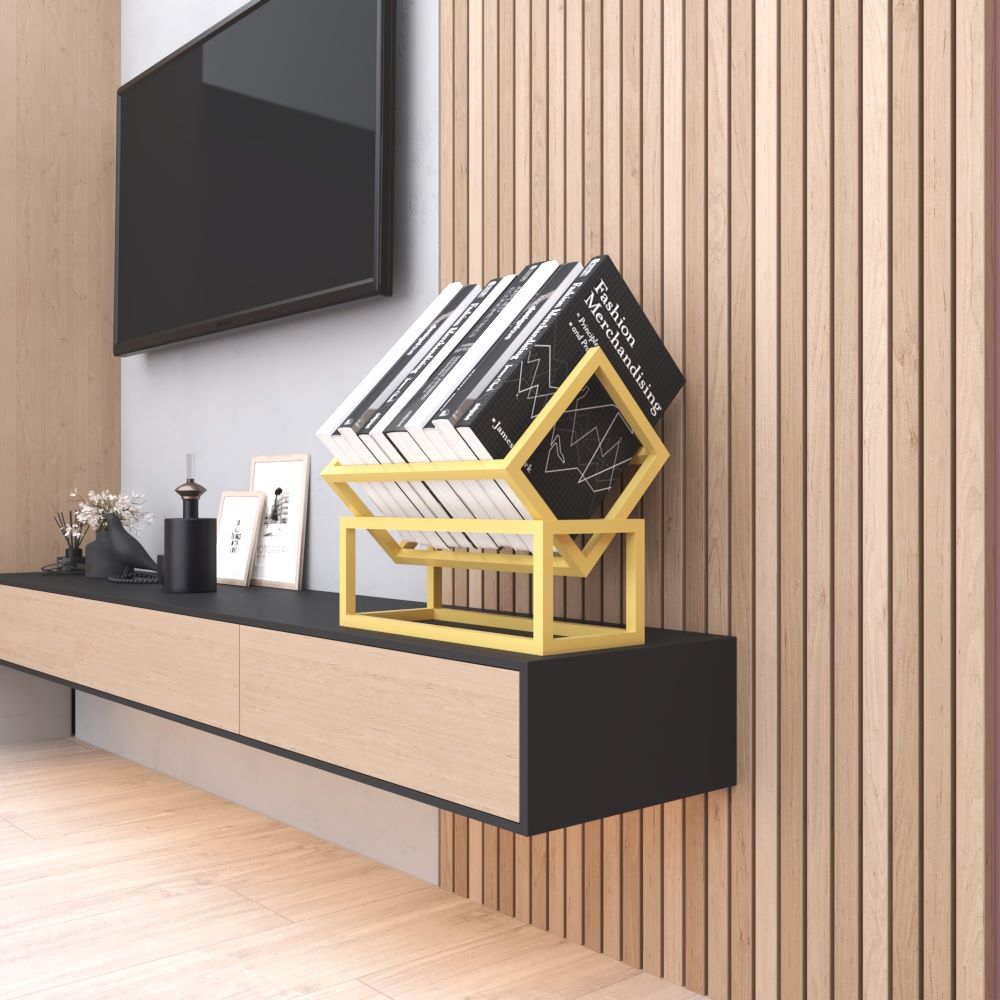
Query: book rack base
[539, 633]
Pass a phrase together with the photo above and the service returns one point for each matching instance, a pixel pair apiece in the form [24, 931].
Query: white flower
[99, 504]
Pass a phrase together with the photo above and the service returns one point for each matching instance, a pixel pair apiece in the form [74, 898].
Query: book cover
[583, 457]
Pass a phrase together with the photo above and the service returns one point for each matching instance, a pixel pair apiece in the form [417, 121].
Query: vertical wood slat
[774, 235]
[593, 885]
[846, 502]
[742, 456]
[975, 508]
[906, 973]
[632, 888]
[938, 634]
[875, 505]
[767, 554]
[819, 504]
[718, 369]
[791, 449]
[611, 876]
[652, 890]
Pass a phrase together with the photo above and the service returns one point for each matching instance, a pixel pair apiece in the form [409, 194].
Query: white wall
[32, 709]
[216, 397]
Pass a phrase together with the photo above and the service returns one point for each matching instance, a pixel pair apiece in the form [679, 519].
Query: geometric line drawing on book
[592, 442]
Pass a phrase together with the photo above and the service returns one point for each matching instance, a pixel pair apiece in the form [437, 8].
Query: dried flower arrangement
[99, 504]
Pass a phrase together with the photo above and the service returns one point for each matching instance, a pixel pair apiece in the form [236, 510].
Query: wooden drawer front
[178, 664]
[441, 727]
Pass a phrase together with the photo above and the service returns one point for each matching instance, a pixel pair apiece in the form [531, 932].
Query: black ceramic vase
[101, 561]
[189, 543]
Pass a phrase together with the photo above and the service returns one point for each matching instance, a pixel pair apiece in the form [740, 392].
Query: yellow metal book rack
[554, 549]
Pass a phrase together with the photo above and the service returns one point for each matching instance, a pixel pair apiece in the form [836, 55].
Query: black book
[585, 454]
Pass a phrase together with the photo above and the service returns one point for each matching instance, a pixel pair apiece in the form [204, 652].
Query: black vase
[101, 560]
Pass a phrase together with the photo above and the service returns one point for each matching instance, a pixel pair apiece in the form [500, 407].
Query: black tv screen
[254, 172]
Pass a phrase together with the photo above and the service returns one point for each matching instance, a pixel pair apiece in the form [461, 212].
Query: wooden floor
[118, 882]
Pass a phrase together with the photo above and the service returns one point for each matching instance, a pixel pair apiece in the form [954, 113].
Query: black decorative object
[140, 566]
[189, 544]
[101, 559]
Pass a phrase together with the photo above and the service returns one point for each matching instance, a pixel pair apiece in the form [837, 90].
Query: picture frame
[284, 481]
[241, 515]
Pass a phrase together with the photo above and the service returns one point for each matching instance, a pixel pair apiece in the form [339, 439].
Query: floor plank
[127, 883]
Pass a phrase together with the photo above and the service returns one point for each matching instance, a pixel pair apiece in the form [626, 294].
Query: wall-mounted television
[255, 172]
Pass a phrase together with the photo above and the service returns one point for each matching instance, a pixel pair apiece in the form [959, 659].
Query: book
[486, 498]
[404, 499]
[586, 452]
[373, 432]
[444, 424]
[377, 496]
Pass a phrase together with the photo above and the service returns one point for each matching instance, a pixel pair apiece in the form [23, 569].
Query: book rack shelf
[557, 546]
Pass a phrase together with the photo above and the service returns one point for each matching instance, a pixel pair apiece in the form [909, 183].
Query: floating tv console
[528, 743]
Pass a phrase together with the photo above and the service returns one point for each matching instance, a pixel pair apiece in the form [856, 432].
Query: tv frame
[379, 284]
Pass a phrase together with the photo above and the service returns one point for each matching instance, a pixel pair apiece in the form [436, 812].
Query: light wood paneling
[799, 192]
[187, 666]
[59, 393]
[443, 727]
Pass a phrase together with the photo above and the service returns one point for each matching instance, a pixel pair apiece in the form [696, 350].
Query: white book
[427, 498]
[465, 498]
[445, 424]
[484, 499]
[372, 379]
[456, 501]
[336, 432]
[417, 425]
[372, 494]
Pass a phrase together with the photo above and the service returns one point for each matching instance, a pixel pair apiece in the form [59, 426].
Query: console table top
[314, 613]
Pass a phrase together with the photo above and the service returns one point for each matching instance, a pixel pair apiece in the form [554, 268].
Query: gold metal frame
[555, 552]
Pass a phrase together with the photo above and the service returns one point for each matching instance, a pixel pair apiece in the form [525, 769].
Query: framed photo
[240, 515]
[284, 481]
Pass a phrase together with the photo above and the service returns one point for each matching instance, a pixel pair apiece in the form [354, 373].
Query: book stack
[467, 379]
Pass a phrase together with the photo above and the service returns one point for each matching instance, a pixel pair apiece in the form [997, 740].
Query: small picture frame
[284, 481]
[241, 513]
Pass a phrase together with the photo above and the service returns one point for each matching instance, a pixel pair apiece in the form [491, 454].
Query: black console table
[526, 743]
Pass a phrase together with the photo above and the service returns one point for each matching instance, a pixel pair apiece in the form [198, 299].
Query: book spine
[435, 501]
[410, 502]
[487, 503]
[418, 377]
[529, 283]
[375, 497]
[476, 382]
[450, 440]
[444, 301]
[413, 452]
[400, 502]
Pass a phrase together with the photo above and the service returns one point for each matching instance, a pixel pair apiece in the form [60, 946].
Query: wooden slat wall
[799, 191]
[59, 392]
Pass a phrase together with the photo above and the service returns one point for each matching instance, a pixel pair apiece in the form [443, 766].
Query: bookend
[554, 550]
